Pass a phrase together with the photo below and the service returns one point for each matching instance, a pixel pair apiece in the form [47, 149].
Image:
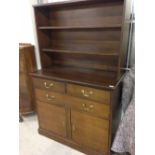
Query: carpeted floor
[32, 143]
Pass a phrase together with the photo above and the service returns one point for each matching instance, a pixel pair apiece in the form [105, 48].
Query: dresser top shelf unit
[80, 41]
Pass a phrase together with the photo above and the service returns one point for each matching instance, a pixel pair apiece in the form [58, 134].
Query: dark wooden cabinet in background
[27, 64]
[82, 47]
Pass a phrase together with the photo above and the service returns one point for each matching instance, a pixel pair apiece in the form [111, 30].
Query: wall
[27, 26]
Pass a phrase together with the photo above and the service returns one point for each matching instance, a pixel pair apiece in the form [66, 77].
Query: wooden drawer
[89, 93]
[91, 107]
[49, 85]
[49, 97]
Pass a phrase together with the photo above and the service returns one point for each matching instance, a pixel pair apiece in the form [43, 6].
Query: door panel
[52, 118]
[89, 131]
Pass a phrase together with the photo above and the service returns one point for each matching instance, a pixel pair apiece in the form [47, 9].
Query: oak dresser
[82, 47]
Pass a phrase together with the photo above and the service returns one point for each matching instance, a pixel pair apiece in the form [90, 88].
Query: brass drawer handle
[86, 94]
[48, 86]
[49, 98]
[88, 108]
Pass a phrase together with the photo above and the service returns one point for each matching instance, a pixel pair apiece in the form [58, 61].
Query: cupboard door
[52, 118]
[89, 131]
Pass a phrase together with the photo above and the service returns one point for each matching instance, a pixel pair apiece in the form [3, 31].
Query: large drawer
[49, 85]
[89, 93]
[49, 97]
[91, 107]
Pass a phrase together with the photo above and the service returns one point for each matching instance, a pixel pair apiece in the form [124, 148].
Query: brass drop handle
[88, 108]
[50, 97]
[48, 86]
[85, 107]
[86, 94]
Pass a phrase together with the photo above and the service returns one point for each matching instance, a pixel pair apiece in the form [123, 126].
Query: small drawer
[89, 93]
[97, 109]
[49, 85]
[49, 97]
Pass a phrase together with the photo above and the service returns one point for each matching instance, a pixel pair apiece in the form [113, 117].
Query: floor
[32, 143]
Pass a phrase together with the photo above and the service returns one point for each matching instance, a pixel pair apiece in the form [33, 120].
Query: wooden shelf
[64, 3]
[79, 27]
[87, 77]
[78, 52]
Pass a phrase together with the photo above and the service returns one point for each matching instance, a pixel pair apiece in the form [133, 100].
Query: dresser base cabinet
[75, 119]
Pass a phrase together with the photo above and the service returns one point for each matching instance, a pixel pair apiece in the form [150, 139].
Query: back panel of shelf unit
[98, 14]
[95, 40]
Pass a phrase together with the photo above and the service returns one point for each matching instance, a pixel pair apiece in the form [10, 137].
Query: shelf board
[79, 27]
[78, 52]
[88, 77]
[65, 3]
